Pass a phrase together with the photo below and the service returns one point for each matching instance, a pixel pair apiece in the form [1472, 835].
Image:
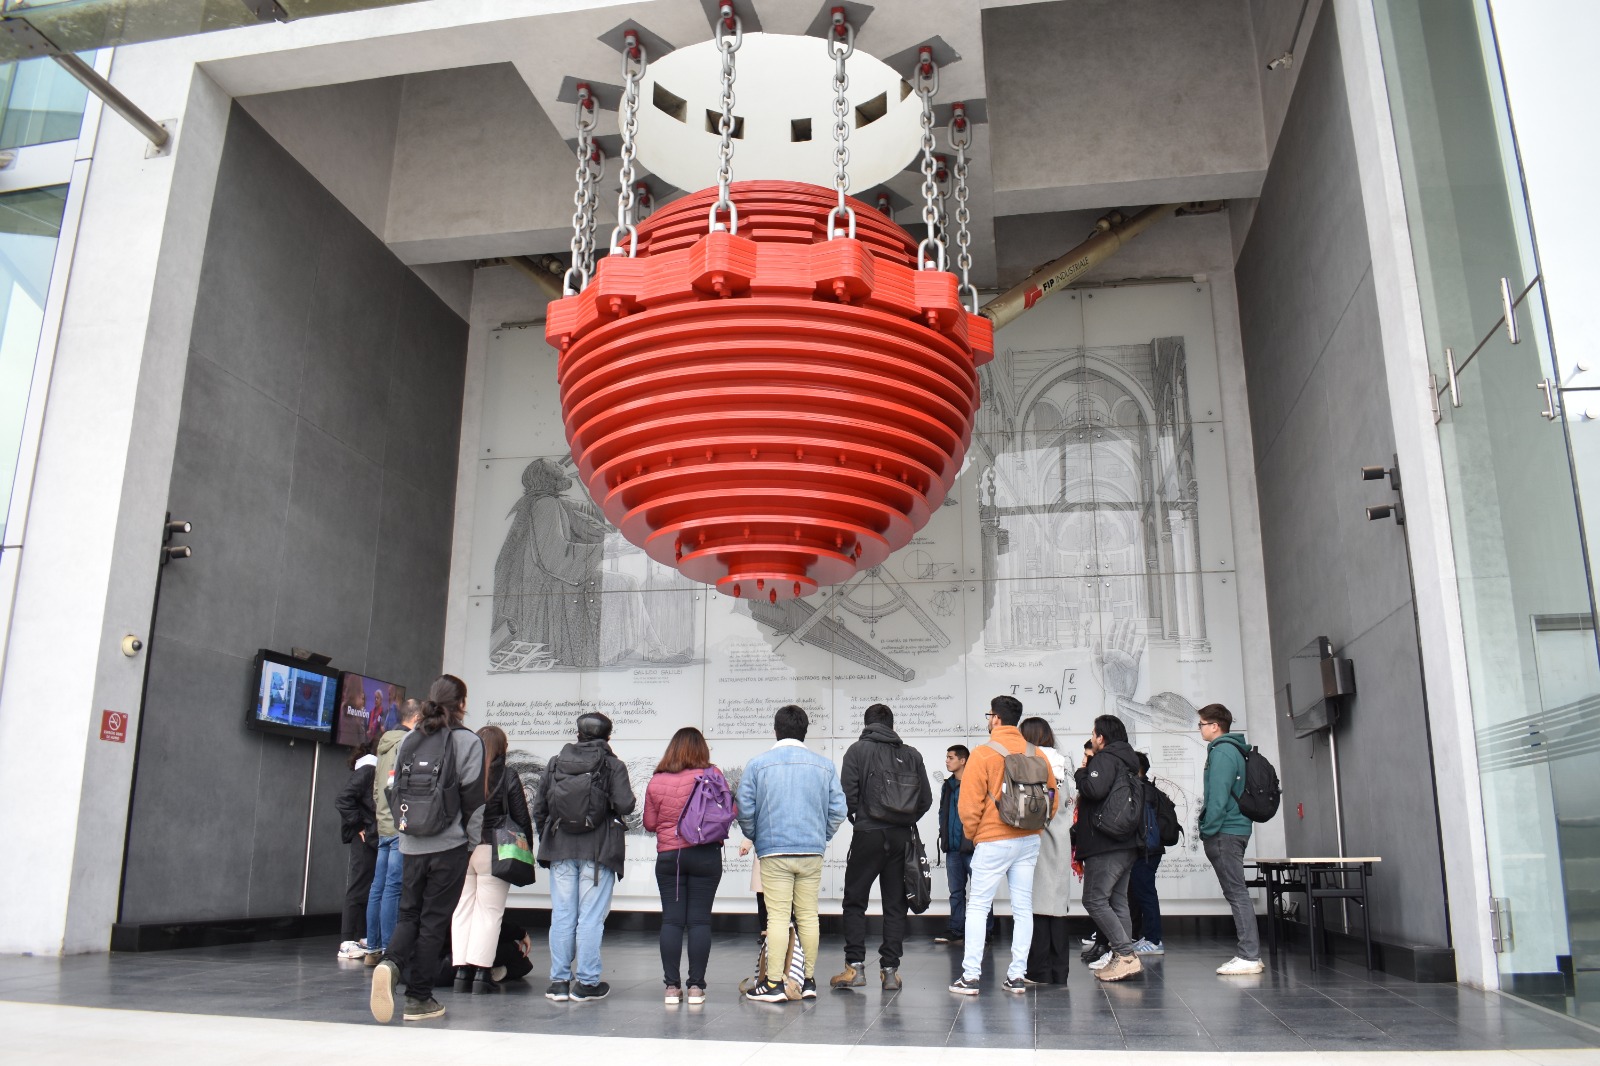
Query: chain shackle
[634, 64]
[729, 36]
[841, 46]
[931, 252]
[961, 140]
[585, 118]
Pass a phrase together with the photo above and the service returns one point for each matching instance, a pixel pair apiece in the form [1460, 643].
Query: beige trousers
[791, 882]
[475, 926]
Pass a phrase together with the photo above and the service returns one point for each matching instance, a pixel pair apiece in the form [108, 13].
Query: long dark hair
[686, 751]
[446, 704]
[494, 747]
[1037, 731]
[366, 747]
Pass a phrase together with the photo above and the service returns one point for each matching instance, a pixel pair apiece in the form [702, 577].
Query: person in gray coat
[1051, 949]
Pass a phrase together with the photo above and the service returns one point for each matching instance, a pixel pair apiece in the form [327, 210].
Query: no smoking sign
[114, 726]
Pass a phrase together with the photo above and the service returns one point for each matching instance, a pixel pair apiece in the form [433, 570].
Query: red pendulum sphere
[770, 411]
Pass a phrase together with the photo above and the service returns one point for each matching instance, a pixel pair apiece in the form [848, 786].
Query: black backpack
[1262, 793]
[893, 785]
[1167, 824]
[1121, 813]
[579, 799]
[427, 787]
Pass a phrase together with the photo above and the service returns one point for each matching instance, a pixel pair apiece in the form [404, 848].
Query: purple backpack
[709, 812]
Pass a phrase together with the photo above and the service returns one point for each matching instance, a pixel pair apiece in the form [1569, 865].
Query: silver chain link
[596, 171]
[930, 253]
[941, 179]
[577, 275]
[841, 46]
[634, 62]
[727, 20]
[961, 140]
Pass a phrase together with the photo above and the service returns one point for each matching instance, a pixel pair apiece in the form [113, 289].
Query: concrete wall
[1320, 410]
[1122, 101]
[316, 457]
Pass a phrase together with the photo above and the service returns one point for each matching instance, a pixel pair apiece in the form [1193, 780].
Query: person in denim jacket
[790, 804]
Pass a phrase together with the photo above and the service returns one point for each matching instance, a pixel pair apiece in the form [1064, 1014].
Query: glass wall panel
[1525, 586]
[40, 103]
[30, 223]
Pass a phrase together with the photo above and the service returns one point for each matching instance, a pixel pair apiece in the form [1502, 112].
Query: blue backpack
[710, 810]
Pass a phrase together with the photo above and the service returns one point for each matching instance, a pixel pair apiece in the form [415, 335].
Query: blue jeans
[1142, 894]
[383, 901]
[1014, 860]
[957, 872]
[578, 909]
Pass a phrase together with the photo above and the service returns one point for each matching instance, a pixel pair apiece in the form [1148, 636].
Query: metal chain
[841, 46]
[577, 276]
[634, 62]
[596, 171]
[961, 140]
[727, 23]
[930, 253]
[941, 179]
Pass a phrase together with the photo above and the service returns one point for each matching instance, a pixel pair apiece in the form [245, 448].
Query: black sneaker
[948, 938]
[422, 1009]
[483, 981]
[1015, 984]
[384, 978]
[768, 991]
[964, 986]
[581, 991]
[558, 991]
[463, 981]
[808, 988]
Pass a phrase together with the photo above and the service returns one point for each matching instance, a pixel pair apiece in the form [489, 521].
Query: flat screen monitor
[293, 698]
[1310, 707]
[368, 708]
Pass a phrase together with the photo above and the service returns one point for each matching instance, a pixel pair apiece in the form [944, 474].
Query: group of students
[1002, 815]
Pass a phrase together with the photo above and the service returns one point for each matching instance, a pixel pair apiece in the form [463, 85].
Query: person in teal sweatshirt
[1225, 832]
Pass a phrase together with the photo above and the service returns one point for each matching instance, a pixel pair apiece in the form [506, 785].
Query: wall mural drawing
[560, 600]
[1082, 562]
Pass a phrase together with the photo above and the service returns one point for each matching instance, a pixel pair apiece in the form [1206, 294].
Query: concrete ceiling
[447, 134]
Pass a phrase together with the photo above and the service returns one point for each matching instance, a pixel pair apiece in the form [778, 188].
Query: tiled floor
[1178, 1004]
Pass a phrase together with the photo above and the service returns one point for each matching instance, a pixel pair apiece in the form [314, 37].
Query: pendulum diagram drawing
[872, 596]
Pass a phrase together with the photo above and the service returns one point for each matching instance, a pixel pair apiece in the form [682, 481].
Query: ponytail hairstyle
[445, 706]
[494, 747]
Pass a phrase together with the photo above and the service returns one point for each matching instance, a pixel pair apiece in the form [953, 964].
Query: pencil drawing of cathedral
[1086, 471]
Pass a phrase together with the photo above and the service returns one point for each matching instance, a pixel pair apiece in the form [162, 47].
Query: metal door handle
[1450, 371]
[1549, 389]
[1509, 303]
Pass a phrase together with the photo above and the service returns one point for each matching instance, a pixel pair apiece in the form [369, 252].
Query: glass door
[1512, 439]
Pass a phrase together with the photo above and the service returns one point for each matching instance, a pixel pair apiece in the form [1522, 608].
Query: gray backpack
[1024, 798]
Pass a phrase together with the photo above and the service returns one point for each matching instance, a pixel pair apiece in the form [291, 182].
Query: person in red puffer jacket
[687, 875]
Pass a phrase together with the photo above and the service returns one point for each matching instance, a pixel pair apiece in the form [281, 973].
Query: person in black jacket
[358, 828]
[1107, 861]
[1144, 902]
[885, 792]
[586, 783]
[475, 926]
[955, 847]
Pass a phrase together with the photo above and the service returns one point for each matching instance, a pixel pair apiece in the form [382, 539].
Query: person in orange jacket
[1000, 850]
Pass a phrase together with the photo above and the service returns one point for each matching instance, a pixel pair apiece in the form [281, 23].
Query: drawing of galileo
[547, 579]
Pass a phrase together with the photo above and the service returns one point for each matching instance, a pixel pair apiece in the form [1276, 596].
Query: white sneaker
[351, 950]
[1103, 961]
[1143, 946]
[1236, 966]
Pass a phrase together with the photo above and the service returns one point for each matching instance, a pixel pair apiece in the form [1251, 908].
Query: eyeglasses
[988, 714]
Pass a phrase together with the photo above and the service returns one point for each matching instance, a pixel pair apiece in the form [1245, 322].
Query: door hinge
[1502, 931]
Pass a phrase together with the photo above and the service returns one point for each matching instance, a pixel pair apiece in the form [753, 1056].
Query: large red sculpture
[774, 410]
